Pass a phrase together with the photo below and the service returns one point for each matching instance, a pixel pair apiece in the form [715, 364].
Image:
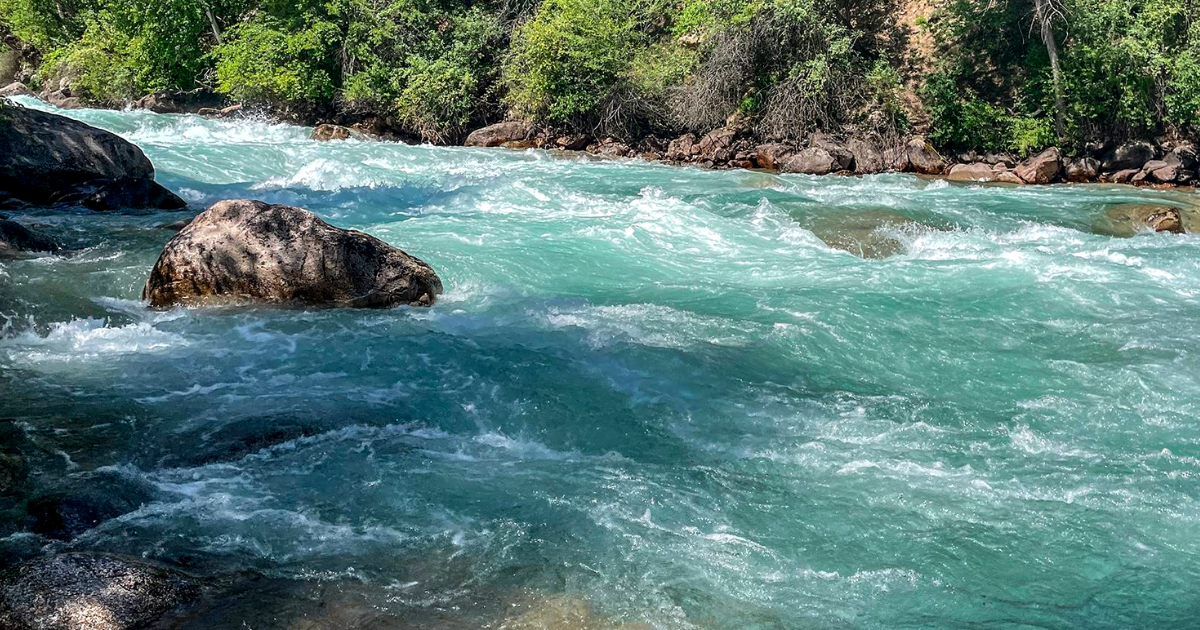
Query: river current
[651, 396]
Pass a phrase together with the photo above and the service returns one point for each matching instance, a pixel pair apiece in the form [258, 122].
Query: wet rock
[238, 439]
[1009, 177]
[771, 156]
[499, 133]
[868, 158]
[16, 88]
[976, 172]
[869, 234]
[612, 149]
[224, 112]
[16, 238]
[180, 101]
[923, 158]
[85, 502]
[1131, 218]
[55, 159]
[1043, 168]
[62, 99]
[242, 251]
[1128, 156]
[1081, 170]
[80, 591]
[561, 612]
[329, 133]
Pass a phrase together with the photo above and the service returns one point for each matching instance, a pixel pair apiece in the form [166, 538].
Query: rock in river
[80, 591]
[244, 251]
[869, 234]
[51, 159]
[1128, 219]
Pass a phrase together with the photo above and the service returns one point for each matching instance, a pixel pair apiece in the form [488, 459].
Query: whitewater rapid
[653, 389]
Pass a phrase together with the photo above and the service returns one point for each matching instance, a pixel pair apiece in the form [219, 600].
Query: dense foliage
[1001, 74]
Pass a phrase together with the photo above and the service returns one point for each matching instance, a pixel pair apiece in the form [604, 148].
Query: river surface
[650, 396]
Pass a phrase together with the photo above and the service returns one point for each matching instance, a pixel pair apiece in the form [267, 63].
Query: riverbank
[1161, 163]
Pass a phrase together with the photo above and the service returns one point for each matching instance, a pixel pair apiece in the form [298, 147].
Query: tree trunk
[213, 21]
[1044, 18]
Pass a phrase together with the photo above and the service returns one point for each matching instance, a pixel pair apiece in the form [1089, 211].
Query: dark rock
[1043, 168]
[79, 591]
[85, 502]
[923, 158]
[843, 157]
[16, 88]
[577, 142]
[716, 145]
[998, 158]
[1130, 218]
[976, 172]
[499, 133]
[1080, 170]
[16, 238]
[328, 133]
[1128, 156]
[51, 158]
[868, 158]
[180, 102]
[771, 156]
[238, 439]
[249, 251]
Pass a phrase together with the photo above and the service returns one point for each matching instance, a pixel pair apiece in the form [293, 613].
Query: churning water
[651, 394]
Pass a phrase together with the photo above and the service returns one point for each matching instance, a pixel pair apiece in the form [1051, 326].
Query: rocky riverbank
[1138, 162]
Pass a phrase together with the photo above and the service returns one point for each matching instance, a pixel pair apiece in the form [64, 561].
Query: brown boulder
[977, 172]
[329, 133]
[681, 149]
[248, 251]
[811, 161]
[576, 142]
[868, 158]
[716, 145]
[771, 156]
[499, 133]
[1043, 168]
[1128, 219]
[1081, 170]
[923, 158]
[1008, 177]
[16, 88]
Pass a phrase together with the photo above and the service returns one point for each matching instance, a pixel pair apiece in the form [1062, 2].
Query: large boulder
[1043, 168]
[248, 251]
[16, 88]
[681, 149]
[54, 159]
[974, 172]
[499, 133]
[1128, 156]
[1081, 170]
[868, 158]
[923, 158]
[812, 161]
[16, 238]
[868, 233]
[82, 503]
[716, 145]
[772, 155]
[79, 591]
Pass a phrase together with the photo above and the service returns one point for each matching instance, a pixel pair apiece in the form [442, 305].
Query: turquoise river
[651, 397]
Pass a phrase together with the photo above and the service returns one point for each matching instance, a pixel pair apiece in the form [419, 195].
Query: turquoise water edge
[648, 388]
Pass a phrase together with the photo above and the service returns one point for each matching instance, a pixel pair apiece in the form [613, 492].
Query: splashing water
[653, 389]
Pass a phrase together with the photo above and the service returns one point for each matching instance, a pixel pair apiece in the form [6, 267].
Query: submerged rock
[563, 612]
[79, 591]
[499, 133]
[53, 159]
[16, 239]
[869, 234]
[85, 502]
[244, 251]
[1128, 219]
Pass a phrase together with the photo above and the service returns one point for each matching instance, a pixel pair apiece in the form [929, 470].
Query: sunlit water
[648, 388]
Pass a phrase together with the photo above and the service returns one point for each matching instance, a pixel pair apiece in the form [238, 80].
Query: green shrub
[569, 58]
[262, 61]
